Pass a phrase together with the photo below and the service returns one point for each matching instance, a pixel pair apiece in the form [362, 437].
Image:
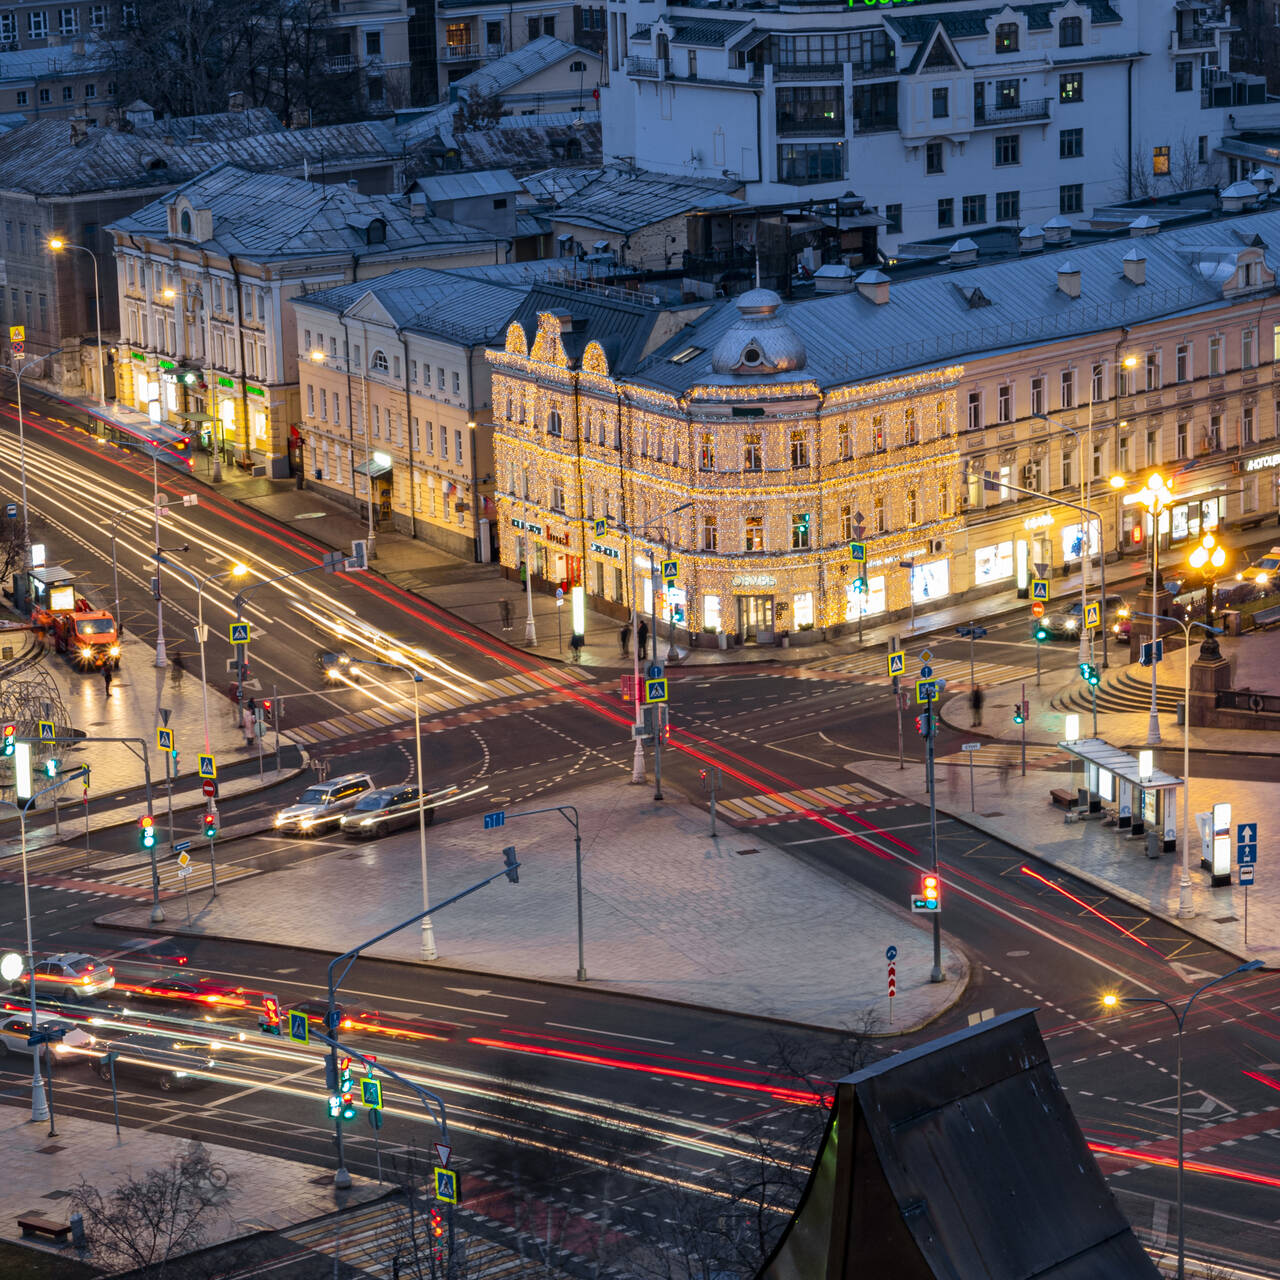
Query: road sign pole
[973, 807]
[1023, 709]
[935, 974]
[1037, 664]
[897, 698]
[213, 862]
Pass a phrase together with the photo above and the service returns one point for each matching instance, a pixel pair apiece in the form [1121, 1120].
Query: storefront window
[675, 601]
[1072, 540]
[990, 564]
[930, 581]
[711, 613]
[1180, 522]
[871, 601]
[802, 605]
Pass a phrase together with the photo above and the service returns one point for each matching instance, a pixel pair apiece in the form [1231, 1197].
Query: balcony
[340, 64]
[648, 68]
[1197, 38]
[818, 127]
[1031, 110]
[472, 52]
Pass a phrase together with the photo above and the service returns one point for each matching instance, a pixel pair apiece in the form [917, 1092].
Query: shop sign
[1042, 521]
[1262, 462]
[166, 364]
[137, 355]
[226, 382]
[254, 391]
[600, 549]
[893, 561]
[754, 580]
[560, 539]
[528, 527]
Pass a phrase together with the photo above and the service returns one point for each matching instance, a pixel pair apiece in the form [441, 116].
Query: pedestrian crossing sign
[858, 552]
[602, 527]
[164, 739]
[1039, 588]
[446, 1185]
[670, 570]
[926, 690]
[299, 1031]
[655, 690]
[47, 732]
[371, 1092]
[239, 633]
[207, 767]
[1093, 614]
[898, 663]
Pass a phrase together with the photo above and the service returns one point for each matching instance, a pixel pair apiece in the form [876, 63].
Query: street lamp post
[22, 446]
[1185, 907]
[1111, 1001]
[1156, 496]
[1086, 546]
[428, 932]
[1206, 558]
[56, 244]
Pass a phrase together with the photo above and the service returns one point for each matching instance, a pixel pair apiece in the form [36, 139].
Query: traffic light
[513, 867]
[924, 724]
[928, 898]
[1018, 717]
[210, 824]
[265, 704]
[270, 1020]
[10, 733]
[437, 1223]
[51, 768]
[346, 1091]
[1041, 633]
[147, 831]
[1089, 673]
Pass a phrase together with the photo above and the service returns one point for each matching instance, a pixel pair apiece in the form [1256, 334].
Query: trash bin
[722, 639]
[1154, 842]
[1180, 713]
[1231, 621]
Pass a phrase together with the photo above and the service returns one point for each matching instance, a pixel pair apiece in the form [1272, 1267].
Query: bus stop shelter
[1145, 798]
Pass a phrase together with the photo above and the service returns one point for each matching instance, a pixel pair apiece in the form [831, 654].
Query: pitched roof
[268, 216]
[620, 200]
[464, 186]
[966, 23]
[41, 159]
[514, 68]
[27, 64]
[455, 305]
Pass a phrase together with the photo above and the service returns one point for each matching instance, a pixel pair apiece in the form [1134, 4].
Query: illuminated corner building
[207, 277]
[395, 394]
[748, 412]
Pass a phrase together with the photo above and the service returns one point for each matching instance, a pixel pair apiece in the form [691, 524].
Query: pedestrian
[1006, 767]
[179, 664]
[576, 641]
[642, 639]
[976, 699]
[106, 677]
[504, 608]
[247, 723]
[624, 638]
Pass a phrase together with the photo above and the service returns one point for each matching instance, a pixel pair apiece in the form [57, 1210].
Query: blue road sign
[11, 509]
[1245, 875]
[47, 731]
[1144, 654]
[299, 1031]
[1246, 833]
[898, 663]
[446, 1185]
[371, 1093]
[858, 552]
[891, 954]
[1246, 849]
[655, 691]
[926, 672]
[206, 767]
[602, 527]
[164, 739]
[498, 818]
[1039, 588]
[182, 846]
[654, 672]
[926, 690]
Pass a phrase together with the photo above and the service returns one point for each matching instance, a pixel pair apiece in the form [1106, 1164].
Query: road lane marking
[596, 1031]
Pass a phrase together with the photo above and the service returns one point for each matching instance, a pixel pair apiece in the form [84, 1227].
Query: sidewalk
[37, 1173]
[730, 922]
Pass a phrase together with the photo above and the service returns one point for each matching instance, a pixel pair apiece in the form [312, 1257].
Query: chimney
[353, 184]
[77, 47]
[1069, 278]
[962, 253]
[1143, 226]
[874, 286]
[235, 102]
[139, 113]
[1030, 239]
[1135, 267]
[834, 277]
[79, 129]
[1235, 197]
[1057, 230]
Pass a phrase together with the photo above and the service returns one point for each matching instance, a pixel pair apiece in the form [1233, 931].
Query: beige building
[207, 281]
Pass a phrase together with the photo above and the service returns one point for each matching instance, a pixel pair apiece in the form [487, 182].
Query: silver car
[70, 976]
[383, 810]
[16, 1028]
[322, 804]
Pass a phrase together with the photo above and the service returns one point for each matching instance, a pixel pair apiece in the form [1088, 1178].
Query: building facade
[940, 115]
[207, 278]
[395, 398]
[955, 423]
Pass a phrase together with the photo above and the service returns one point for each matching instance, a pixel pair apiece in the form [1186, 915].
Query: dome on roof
[759, 341]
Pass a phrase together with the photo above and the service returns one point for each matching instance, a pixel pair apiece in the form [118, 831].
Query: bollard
[77, 1230]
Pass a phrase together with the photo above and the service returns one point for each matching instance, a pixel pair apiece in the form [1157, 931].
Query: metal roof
[1121, 763]
[711, 33]
[928, 320]
[269, 216]
[30, 64]
[620, 200]
[967, 23]
[452, 304]
[463, 186]
[41, 159]
[519, 65]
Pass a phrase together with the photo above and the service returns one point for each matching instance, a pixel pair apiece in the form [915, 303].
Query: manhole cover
[742, 853]
[1225, 919]
[51, 1149]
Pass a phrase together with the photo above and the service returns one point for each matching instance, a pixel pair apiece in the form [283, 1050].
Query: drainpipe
[472, 427]
[408, 432]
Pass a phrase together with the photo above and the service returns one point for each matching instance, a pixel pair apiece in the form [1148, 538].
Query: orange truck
[88, 636]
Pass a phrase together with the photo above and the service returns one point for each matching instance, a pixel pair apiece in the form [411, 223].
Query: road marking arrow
[477, 993]
[1189, 973]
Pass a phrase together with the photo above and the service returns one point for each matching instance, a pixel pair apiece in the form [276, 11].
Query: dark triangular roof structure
[960, 1158]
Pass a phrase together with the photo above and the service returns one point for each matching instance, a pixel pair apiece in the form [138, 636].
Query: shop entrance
[755, 618]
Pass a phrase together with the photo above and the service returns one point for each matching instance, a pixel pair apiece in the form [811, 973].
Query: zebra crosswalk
[995, 755]
[124, 872]
[771, 805]
[436, 705]
[870, 668]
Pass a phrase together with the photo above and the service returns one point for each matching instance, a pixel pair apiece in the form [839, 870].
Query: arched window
[184, 222]
[378, 362]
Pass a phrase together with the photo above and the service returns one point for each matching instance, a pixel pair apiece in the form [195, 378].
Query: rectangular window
[974, 410]
[324, 404]
[68, 22]
[457, 383]
[1007, 37]
[311, 401]
[1071, 198]
[846, 523]
[38, 27]
[1099, 460]
[753, 531]
[933, 157]
[710, 538]
[444, 443]
[1215, 357]
[1070, 144]
[1004, 403]
[67, 92]
[941, 106]
[1008, 94]
[1153, 371]
[457, 447]
[799, 449]
[21, 97]
[1096, 381]
[1068, 461]
[1213, 436]
[1183, 76]
[799, 530]
[1008, 148]
[879, 443]
[947, 218]
[430, 439]
[1153, 448]
[893, 216]
[1182, 438]
[1068, 383]
[844, 442]
[1160, 161]
[1182, 362]
[1122, 453]
[98, 16]
[1070, 33]
[1008, 206]
[805, 162]
[1246, 424]
[1248, 348]
[8, 26]
[752, 453]
[707, 452]
[1071, 86]
[973, 209]
[1037, 395]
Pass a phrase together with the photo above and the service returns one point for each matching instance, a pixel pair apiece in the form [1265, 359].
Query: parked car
[322, 804]
[1064, 624]
[144, 1059]
[16, 1028]
[383, 810]
[68, 977]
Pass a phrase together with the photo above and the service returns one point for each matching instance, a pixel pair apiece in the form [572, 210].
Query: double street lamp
[1112, 1001]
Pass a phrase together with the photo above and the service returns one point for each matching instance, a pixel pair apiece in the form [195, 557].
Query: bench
[1267, 617]
[34, 1225]
[1063, 799]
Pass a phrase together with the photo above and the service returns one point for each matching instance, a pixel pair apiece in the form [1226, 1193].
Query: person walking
[247, 720]
[624, 638]
[576, 641]
[642, 639]
[106, 678]
[179, 668]
[976, 699]
[504, 608]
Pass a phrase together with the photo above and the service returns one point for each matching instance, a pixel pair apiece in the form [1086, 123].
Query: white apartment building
[942, 114]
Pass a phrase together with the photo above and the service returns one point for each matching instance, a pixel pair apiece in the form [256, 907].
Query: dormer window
[1007, 37]
[1071, 33]
[378, 362]
[377, 232]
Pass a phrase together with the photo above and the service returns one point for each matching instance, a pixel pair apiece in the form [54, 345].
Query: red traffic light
[146, 821]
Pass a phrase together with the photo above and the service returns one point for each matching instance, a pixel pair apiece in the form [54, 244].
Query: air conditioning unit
[936, 545]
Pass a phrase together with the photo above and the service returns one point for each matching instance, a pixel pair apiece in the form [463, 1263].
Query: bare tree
[478, 110]
[148, 1222]
[1145, 174]
[13, 547]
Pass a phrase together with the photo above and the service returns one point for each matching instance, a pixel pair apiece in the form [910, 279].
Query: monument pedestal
[1150, 601]
[1209, 673]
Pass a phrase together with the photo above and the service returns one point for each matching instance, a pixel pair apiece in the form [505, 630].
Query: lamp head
[239, 570]
[1117, 482]
[1110, 1000]
[1130, 362]
[316, 357]
[56, 243]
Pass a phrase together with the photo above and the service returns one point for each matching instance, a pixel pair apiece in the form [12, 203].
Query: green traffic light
[51, 768]
[1041, 633]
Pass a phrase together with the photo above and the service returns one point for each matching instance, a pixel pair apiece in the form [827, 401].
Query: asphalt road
[587, 1109]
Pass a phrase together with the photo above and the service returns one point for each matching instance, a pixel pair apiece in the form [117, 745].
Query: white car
[14, 1030]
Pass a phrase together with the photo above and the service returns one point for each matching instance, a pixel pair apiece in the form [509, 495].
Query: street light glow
[1111, 1000]
[56, 243]
[316, 356]
[1117, 482]
[1130, 362]
[239, 570]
